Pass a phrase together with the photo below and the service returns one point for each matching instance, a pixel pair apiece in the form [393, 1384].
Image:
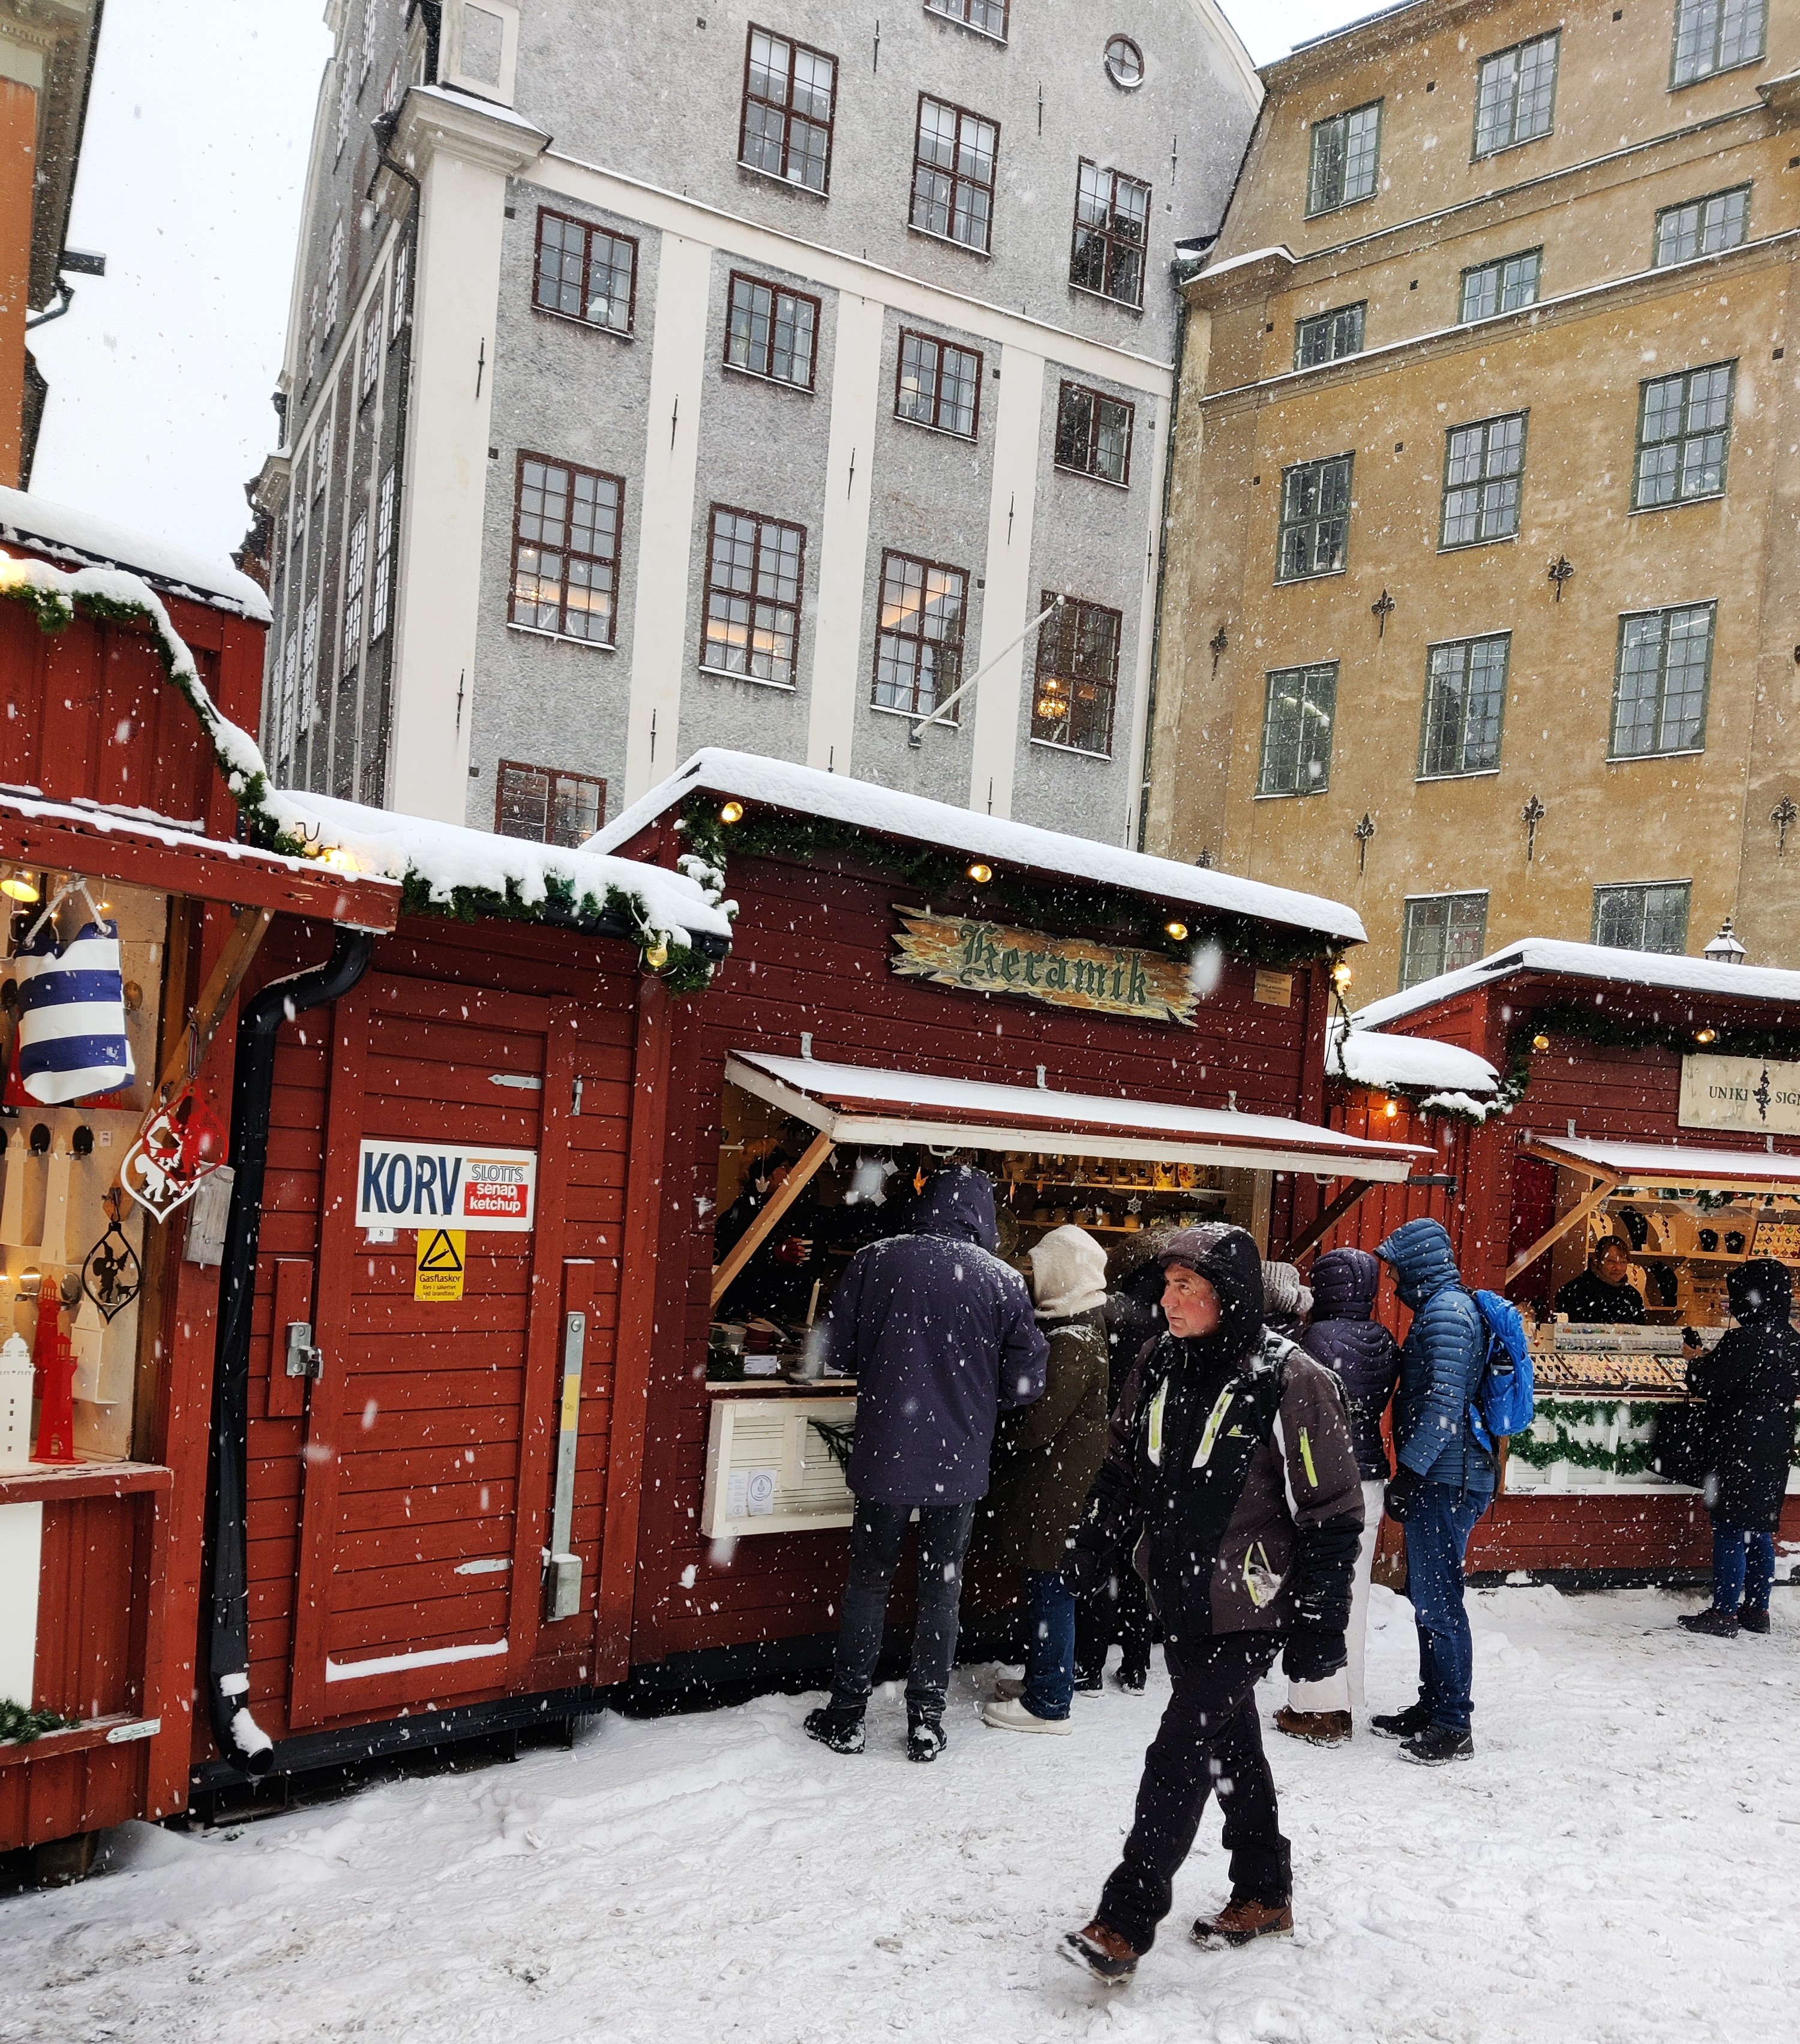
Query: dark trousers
[877, 1535]
[1438, 1527]
[1210, 1740]
[1118, 1610]
[1743, 1567]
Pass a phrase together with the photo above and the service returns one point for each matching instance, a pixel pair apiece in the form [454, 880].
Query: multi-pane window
[402, 285]
[345, 99]
[788, 92]
[370, 23]
[565, 549]
[953, 173]
[1465, 694]
[1314, 529]
[1502, 287]
[1297, 730]
[309, 660]
[937, 385]
[1443, 932]
[1346, 152]
[1665, 658]
[371, 348]
[1093, 434]
[1683, 433]
[1077, 675]
[1112, 216]
[989, 16]
[1483, 468]
[384, 558]
[334, 277]
[1713, 35]
[547, 806]
[355, 570]
[586, 273]
[1650, 917]
[1515, 92]
[1702, 226]
[919, 637]
[286, 706]
[1327, 337]
[770, 331]
[753, 597]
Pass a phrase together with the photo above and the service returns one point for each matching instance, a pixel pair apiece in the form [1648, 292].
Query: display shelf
[51, 1483]
[120, 1729]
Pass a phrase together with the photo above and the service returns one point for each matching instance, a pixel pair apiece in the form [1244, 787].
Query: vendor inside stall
[1604, 1295]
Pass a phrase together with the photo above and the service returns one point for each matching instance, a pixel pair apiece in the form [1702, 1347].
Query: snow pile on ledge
[1366, 1057]
[807, 791]
[75, 535]
[447, 858]
[1593, 962]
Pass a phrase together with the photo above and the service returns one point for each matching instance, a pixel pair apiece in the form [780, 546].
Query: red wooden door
[429, 1434]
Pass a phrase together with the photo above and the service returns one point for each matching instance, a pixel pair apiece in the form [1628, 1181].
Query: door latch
[303, 1358]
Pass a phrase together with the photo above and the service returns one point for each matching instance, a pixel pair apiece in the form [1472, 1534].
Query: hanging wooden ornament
[178, 1146]
[111, 1275]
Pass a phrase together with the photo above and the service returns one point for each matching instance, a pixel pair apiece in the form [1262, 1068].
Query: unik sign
[438, 1185]
[1067, 972]
[1760, 1094]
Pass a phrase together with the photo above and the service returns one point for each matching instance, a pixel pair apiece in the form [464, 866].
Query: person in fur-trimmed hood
[1231, 1472]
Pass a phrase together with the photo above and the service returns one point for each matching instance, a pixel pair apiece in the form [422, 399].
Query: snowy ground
[1619, 1862]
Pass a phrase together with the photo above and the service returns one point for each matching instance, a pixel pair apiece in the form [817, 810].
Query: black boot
[1402, 1724]
[1133, 1677]
[1752, 1619]
[1435, 1744]
[925, 1737]
[838, 1726]
[1716, 1624]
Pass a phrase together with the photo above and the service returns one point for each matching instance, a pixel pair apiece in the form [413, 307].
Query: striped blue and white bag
[72, 1040]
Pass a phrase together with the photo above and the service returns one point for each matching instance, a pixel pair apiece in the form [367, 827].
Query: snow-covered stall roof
[1591, 961]
[890, 812]
[79, 537]
[1366, 1057]
[439, 863]
[873, 1104]
[1672, 1164]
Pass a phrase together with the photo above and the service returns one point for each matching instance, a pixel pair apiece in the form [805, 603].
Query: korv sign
[436, 1185]
[1759, 1094]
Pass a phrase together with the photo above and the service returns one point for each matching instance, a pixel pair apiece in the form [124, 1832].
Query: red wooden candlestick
[53, 1358]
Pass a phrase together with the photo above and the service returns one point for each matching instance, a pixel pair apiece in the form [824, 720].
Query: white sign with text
[440, 1185]
[1758, 1094]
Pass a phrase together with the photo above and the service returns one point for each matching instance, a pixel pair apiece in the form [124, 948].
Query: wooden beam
[760, 1229]
[1332, 1214]
[216, 997]
[1600, 1194]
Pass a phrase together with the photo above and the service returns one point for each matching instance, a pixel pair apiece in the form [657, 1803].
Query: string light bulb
[1540, 1042]
[981, 874]
[1706, 1036]
[21, 886]
[1392, 1109]
[1341, 975]
[732, 813]
[1177, 929]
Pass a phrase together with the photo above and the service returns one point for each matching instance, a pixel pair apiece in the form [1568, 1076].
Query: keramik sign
[438, 1185]
[986, 957]
[1754, 1093]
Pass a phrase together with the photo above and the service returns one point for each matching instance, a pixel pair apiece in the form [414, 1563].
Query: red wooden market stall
[1598, 1093]
[1119, 1040]
[114, 812]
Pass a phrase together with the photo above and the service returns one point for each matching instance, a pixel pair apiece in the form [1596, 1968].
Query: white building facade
[753, 378]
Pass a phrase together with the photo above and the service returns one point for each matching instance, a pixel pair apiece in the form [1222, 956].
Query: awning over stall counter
[863, 1103]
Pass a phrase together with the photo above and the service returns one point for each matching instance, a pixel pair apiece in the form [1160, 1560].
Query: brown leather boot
[1241, 1921]
[1316, 1727]
[1109, 1957]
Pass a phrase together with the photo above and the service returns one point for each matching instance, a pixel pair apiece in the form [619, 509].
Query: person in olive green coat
[1046, 1456]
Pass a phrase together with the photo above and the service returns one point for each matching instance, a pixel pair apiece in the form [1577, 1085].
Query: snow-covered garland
[1073, 910]
[274, 821]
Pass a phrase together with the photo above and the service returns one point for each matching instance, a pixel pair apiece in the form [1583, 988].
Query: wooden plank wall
[811, 954]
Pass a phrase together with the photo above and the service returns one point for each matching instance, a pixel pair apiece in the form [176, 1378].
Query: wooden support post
[216, 997]
[760, 1229]
[1602, 1191]
[1332, 1214]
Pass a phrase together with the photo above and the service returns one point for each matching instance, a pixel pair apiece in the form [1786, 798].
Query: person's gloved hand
[1310, 1656]
[1403, 1493]
[1085, 1570]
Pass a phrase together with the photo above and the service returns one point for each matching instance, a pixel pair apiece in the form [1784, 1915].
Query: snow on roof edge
[1367, 1057]
[783, 785]
[68, 534]
[1670, 972]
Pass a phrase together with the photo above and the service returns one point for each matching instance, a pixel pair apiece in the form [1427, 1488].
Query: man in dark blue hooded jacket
[1444, 1484]
[941, 1337]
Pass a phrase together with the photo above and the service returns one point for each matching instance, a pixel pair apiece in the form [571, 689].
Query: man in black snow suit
[941, 1337]
[1232, 1472]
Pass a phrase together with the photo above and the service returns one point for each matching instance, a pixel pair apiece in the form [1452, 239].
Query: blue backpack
[1504, 1400]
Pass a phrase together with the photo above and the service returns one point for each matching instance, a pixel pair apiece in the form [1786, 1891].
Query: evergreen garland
[22, 1726]
[1550, 1441]
[1072, 908]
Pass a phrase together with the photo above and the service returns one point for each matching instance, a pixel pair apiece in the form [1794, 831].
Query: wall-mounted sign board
[1067, 972]
[439, 1184]
[1760, 1094]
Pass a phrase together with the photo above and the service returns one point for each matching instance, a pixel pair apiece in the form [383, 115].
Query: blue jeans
[1437, 1529]
[1739, 1554]
[1050, 1659]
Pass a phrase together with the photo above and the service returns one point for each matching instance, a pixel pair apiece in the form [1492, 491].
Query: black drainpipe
[241, 1739]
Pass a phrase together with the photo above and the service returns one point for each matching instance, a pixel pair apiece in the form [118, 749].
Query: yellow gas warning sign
[442, 1256]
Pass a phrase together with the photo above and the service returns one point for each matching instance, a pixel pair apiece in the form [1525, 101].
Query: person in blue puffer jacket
[1365, 1357]
[1444, 1484]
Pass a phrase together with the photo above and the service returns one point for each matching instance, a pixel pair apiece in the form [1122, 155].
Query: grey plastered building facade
[766, 490]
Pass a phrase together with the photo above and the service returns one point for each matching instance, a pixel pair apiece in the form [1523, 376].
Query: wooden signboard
[1760, 1094]
[1067, 972]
